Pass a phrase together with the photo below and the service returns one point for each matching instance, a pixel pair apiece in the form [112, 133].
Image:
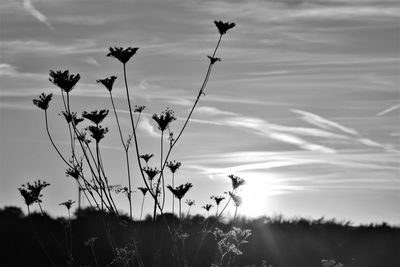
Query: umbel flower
[67, 204]
[190, 202]
[43, 101]
[122, 54]
[108, 82]
[214, 59]
[180, 191]
[97, 132]
[146, 157]
[71, 116]
[236, 181]
[207, 207]
[237, 200]
[217, 199]
[144, 190]
[173, 166]
[64, 80]
[96, 116]
[151, 172]
[166, 117]
[139, 109]
[32, 192]
[82, 137]
[223, 27]
[74, 172]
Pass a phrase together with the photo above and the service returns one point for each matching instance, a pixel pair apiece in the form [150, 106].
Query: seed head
[139, 109]
[71, 117]
[144, 190]
[97, 132]
[64, 80]
[67, 204]
[43, 101]
[96, 116]
[173, 166]
[190, 202]
[207, 207]
[122, 54]
[180, 191]
[164, 119]
[108, 82]
[151, 172]
[223, 27]
[236, 181]
[217, 199]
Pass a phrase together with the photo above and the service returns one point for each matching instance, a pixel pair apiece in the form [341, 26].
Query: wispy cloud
[28, 5]
[323, 123]
[390, 109]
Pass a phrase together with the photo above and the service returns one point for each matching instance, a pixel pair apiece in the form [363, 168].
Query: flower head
[166, 117]
[190, 202]
[207, 207]
[32, 192]
[151, 172]
[82, 137]
[139, 109]
[43, 101]
[74, 172]
[108, 82]
[217, 199]
[173, 166]
[96, 116]
[71, 117]
[97, 132]
[237, 200]
[144, 190]
[146, 157]
[122, 54]
[180, 191]
[213, 59]
[223, 27]
[64, 80]
[67, 204]
[236, 181]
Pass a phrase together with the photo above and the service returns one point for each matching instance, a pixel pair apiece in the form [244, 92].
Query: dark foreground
[282, 243]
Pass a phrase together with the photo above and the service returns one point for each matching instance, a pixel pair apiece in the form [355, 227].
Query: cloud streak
[28, 5]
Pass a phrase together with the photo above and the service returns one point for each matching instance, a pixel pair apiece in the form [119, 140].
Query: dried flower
[236, 181]
[166, 117]
[190, 202]
[97, 132]
[74, 172]
[144, 190]
[122, 54]
[43, 101]
[236, 199]
[139, 109]
[223, 27]
[180, 191]
[217, 199]
[32, 192]
[72, 116]
[207, 207]
[108, 82]
[82, 137]
[96, 116]
[146, 157]
[64, 80]
[214, 59]
[151, 172]
[173, 166]
[67, 204]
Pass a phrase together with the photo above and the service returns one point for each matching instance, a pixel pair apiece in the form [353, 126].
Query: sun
[255, 199]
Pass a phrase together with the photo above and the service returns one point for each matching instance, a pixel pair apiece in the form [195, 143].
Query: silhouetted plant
[94, 181]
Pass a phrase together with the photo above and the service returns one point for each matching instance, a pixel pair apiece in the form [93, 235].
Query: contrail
[389, 110]
[323, 123]
[36, 13]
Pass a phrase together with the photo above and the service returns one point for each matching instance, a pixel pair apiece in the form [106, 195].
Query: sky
[304, 105]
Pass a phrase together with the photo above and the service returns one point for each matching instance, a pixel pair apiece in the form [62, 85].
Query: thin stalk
[141, 209]
[126, 147]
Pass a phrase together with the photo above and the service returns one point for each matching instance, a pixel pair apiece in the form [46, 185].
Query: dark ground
[282, 243]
